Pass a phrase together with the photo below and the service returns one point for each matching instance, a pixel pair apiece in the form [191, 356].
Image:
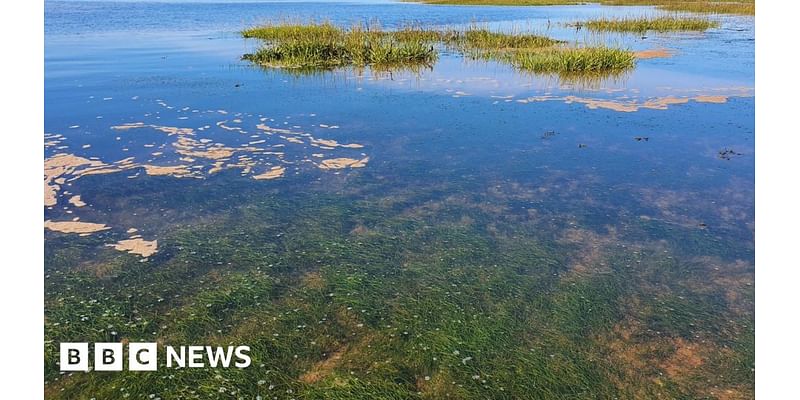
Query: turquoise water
[469, 169]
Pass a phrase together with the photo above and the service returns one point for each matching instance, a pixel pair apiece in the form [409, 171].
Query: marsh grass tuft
[325, 46]
[742, 7]
[644, 24]
[483, 39]
[573, 60]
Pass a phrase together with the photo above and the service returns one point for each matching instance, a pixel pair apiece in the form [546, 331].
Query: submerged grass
[644, 24]
[325, 46]
[410, 306]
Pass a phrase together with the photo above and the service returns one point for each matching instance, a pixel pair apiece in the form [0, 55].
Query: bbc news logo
[144, 356]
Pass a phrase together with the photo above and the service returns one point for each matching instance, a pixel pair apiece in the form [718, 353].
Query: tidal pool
[462, 231]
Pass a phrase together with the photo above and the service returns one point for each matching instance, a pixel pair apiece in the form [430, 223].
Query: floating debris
[274, 173]
[138, 246]
[82, 228]
[727, 154]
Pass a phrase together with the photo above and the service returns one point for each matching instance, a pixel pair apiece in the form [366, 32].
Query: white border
[777, 204]
[22, 283]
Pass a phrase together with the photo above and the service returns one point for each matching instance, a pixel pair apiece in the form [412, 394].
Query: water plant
[359, 295]
[741, 7]
[644, 24]
[324, 46]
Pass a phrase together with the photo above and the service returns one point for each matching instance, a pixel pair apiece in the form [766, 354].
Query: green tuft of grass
[293, 31]
[747, 8]
[483, 39]
[326, 46]
[574, 60]
[644, 24]
[742, 7]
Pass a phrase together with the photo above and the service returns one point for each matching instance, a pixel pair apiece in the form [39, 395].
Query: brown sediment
[74, 226]
[269, 129]
[686, 357]
[194, 148]
[659, 103]
[333, 143]
[650, 360]
[222, 125]
[96, 171]
[656, 103]
[58, 166]
[359, 230]
[216, 167]
[169, 130]
[50, 194]
[203, 149]
[313, 280]
[76, 201]
[323, 368]
[172, 170]
[589, 257]
[711, 99]
[292, 140]
[340, 163]
[138, 246]
[275, 172]
[653, 53]
[606, 104]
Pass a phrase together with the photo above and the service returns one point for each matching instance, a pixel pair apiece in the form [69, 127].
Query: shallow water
[572, 239]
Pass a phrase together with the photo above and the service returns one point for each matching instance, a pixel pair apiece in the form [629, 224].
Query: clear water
[506, 158]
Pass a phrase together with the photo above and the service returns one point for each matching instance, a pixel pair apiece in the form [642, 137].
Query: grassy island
[325, 46]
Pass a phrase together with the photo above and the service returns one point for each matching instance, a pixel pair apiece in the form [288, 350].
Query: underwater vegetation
[312, 46]
[398, 295]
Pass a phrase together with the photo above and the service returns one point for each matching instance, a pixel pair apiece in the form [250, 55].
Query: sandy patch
[333, 143]
[274, 173]
[169, 130]
[340, 163]
[76, 201]
[653, 53]
[138, 246]
[324, 367]
[711, 99]
[173, 170]
[75, 227]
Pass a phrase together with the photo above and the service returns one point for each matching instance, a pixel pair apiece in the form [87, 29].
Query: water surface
[491, 233]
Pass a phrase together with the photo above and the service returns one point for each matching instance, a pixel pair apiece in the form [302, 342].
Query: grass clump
[326, 46]
[574, 60]
[743, 7]
[746, 8]
[293, 32]
[483, 39]
[644, 24]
